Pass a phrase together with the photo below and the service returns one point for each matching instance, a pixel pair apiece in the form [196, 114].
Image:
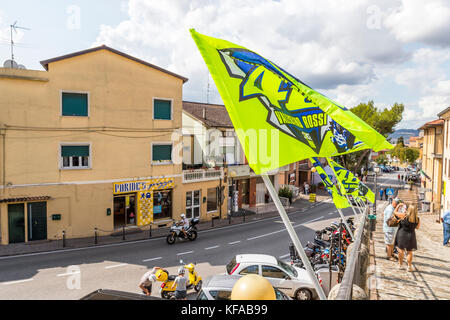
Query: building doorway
[16, 222]
[124, 210]
[37, 221]
[193, 204]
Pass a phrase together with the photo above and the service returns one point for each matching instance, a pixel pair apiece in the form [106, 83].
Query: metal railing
[352, 274]
[201, 175]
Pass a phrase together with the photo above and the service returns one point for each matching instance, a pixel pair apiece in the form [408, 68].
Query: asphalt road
[72, 274]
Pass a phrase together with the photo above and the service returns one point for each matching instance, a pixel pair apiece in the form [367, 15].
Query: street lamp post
[376, 170]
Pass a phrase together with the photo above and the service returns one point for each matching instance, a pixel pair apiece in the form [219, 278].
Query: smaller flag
[349, 183]
[339, 200]
[424, 175]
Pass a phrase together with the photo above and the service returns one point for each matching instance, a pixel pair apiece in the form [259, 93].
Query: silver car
[219, 287]
[291, 280]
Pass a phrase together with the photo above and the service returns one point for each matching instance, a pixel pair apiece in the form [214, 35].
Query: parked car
[105, 294]
[291, 280]
[219, 287]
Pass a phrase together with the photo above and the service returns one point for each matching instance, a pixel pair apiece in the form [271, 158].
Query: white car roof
[255, 258]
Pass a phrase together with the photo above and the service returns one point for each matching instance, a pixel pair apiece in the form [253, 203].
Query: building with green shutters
[90, 142]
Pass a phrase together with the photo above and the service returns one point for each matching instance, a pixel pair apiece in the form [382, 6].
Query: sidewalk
[430, 279]
[135, 234]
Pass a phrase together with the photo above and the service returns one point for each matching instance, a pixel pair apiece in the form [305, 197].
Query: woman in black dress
[405, 239]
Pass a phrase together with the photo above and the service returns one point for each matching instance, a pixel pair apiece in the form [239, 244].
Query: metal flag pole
[294, 237]
[348, 199]
[362, 206]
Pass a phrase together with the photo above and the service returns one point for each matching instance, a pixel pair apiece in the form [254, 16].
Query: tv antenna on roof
[14, 27]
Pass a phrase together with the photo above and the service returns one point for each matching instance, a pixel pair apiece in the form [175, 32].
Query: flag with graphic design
[278, 118]
[339, 200]
[349, 184]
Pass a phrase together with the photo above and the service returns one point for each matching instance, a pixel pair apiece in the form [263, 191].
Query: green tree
[382, 120]
[411, 154]
[381, 159]
[399, 152]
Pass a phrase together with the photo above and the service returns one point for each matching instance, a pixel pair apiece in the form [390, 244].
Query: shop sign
[148, 185]
[145, 208]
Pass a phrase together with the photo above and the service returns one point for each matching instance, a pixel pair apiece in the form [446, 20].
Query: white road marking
[187, 252]
[18, 281]
[282, 230]
[212, 248]
[331, 213]
[284, 256]
[314, 220]
[151, 259]
[265, 235]
[67, 274]
[234, 242]
[116, 265]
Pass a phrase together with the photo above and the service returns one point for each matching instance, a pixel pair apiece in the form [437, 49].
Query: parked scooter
[176, 232]
[193, 280]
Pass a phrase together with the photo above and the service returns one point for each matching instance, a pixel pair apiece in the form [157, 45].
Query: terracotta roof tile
[212, 115]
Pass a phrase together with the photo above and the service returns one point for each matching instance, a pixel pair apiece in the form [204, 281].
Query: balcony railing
[190, 176]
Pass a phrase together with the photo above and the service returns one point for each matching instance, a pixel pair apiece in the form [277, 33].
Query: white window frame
[162, 163]
[193, 206]
[79, 92]
[171, 108]
[61, 163]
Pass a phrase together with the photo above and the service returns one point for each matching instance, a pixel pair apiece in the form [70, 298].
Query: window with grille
[75, 156]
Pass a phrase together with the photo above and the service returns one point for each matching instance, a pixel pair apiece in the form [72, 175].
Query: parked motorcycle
[194, 281]
[176, 232]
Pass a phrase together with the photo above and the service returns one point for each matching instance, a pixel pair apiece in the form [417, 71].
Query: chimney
[204, 113]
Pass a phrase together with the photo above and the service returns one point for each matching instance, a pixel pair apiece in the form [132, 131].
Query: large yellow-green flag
[349, 183]
[339, 200]
[279, 119]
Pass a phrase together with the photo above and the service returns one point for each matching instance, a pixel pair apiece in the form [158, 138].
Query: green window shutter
[162, 109]
[75, 151]
[162, 152]
[75, 104]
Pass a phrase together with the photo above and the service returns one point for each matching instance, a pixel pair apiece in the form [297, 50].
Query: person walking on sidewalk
[389, 232]
[381, 193]
[446, 223]
[405, 239]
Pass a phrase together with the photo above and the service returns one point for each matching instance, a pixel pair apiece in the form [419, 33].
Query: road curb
[207, 224]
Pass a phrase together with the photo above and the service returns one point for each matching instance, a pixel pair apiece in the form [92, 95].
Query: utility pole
[375, 170]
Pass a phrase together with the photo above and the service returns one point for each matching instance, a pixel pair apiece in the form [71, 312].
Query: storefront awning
[26, 199]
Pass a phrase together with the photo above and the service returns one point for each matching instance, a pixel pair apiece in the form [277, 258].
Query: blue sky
[383, 50]
[50, 35]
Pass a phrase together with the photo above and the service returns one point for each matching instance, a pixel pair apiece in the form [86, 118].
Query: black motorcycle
[176, 232]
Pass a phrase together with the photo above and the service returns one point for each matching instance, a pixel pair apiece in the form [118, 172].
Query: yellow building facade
[432, 150]
[91, 143]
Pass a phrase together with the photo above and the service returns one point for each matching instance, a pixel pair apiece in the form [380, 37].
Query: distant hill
[405, 133]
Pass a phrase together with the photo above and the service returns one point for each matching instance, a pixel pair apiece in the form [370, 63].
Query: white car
[293, 281]
[219, 287]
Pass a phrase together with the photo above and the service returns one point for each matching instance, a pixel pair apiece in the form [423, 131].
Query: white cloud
[329, 45]
[421, 21]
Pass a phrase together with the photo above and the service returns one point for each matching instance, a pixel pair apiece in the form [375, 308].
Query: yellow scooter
[194, 280]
